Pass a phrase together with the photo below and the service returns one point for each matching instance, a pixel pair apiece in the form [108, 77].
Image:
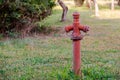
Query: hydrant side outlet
[68, 28]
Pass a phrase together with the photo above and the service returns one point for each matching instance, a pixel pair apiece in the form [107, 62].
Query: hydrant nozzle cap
[76, 15]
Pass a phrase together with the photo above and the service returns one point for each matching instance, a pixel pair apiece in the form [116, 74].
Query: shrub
[20, 15]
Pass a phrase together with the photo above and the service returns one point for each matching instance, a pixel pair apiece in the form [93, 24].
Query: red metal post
[76, 37]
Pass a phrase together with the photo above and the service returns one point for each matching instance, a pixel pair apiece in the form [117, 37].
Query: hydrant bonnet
[76, 15]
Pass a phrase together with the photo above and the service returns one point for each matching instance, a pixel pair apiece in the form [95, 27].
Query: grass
[50, 57]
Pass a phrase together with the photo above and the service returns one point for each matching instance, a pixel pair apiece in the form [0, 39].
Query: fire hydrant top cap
[76, 14]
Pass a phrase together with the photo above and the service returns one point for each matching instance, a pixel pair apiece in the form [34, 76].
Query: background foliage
[20, 15]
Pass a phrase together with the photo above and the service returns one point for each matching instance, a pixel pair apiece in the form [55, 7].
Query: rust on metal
[76, 36]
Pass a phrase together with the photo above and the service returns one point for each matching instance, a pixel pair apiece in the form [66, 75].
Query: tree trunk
[65, 10]
[112, 5]
[79, 2]
[6, 1]
[88, 4]
[96, 8]
[119, 2]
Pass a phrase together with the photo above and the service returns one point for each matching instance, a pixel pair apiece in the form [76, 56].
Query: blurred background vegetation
[19, 16]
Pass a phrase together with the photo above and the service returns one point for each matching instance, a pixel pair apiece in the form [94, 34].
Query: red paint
[76, 37]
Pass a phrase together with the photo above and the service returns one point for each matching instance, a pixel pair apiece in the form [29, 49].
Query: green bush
[18, 15]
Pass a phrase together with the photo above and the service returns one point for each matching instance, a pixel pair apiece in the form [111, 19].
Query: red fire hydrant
[76, 37]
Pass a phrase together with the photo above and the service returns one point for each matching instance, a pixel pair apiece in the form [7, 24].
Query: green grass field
[50, 57]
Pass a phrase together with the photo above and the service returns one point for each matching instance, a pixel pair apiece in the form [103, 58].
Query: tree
[89, 3]
[65, 10]
[119, 2]
[112, 4]
[79, 2]
[96, 8]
